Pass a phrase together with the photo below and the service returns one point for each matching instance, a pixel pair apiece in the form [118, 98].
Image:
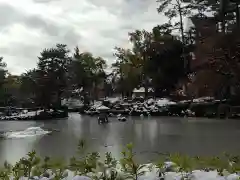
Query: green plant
[107, 169]
[58, 167]
[234, 163]
[130, 167]
[184, 164]
[82, 165]
[6, 171]
[218, 163]
[109, 160]
[89, 165]
[161, 167]
[29, 162]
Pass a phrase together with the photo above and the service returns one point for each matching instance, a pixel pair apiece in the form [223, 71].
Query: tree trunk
[183, 41]
[146, 88]
[237, 16]
[85, 99]
[223, 6]
[58, 104]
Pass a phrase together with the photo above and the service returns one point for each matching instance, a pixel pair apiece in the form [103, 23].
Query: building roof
[196, 21]
[142, 90]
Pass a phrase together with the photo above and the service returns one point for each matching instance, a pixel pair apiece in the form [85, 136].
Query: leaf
[141, 167]
[37, 171]
[129, 146]
[164, 4]
[141, 173]
[177, 24]
[171, 13]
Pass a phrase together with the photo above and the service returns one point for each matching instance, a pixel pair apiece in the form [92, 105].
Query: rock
[44, 178]
[81, 178]
[233, 177]
[35, 178]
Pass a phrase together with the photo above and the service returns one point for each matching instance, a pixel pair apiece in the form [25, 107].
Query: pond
[150, 135]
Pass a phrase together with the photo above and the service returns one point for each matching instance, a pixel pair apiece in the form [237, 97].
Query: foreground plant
[132, 169]
[83, 164]
[89, 164]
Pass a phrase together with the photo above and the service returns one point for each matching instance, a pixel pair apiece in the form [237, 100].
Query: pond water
[193, 136]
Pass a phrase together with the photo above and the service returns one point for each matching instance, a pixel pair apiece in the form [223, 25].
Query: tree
[128, 67]
[226, 11]
[155, 59]
[229, 11]
[11, 87]
[3, 74]
[165, 65]
[225, 58]
[87, 71]
[29, 87]
[142, 41]
[176, 8]
[52, 74]
[109, 84]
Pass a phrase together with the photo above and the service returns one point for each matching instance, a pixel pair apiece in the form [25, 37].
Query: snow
[72, 102]
[81, 178]
[102, 108]
[113, 99]
[152, 175]
[164, 102]
[97, 104]
[142, 90]
[188, 25]
[78, 90]
[150, 101]
[29, 132]
[203, 99]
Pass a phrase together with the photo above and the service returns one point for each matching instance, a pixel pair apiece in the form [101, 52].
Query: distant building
[72, 103]
[140, 92]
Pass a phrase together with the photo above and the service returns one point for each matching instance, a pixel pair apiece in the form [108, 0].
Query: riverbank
[25, 115]
[202, 107]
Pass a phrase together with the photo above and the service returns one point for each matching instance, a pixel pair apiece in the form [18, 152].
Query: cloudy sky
[28, 26]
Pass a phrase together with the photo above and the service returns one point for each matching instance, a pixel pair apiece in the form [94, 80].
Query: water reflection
[152, 132]
[138, 130]
[13, 149]
[77, 125]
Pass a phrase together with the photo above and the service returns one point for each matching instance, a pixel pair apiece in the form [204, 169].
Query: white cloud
[28, 26]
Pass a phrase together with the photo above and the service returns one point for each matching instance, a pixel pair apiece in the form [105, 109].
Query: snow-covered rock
[151, 173]
[81, 178]
[29, 132]
[164, 102]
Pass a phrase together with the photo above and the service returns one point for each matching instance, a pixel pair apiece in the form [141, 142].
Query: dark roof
[196, 20]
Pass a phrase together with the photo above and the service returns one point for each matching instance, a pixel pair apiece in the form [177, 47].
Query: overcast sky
[28, 26]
